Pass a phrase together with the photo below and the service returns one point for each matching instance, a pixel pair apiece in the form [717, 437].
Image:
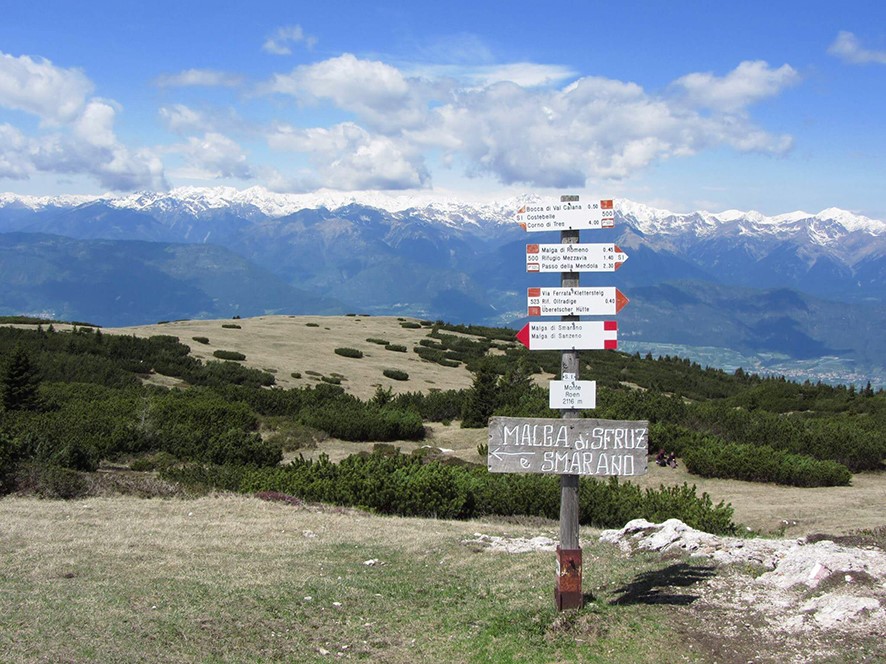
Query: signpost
[603, 301]
[570, 335]
[574, 257]
[570, 446]
[554, 446]
[560, 215]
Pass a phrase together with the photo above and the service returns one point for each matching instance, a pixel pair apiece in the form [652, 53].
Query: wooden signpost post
[570, 446]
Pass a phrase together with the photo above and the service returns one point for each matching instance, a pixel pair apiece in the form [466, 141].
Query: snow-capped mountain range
[791, 284]
[199, 201]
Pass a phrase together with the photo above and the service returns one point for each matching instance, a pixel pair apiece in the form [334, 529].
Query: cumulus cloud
[214, 156]
[513, 123]
[14, 158]
[748, 83]
[180, 118]
[76, 133]
[347, 157]
[38, 87]
[847, 47]
[279, 43]
[381, 95]
[525, 74]
[199, 78]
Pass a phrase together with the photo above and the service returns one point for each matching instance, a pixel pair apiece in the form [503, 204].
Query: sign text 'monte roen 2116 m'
[568, 447]
[556, 215]
[578, 301]
[570, 335]
[572, 394]
[574, 257]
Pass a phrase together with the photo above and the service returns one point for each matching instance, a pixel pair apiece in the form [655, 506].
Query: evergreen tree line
[72, 399]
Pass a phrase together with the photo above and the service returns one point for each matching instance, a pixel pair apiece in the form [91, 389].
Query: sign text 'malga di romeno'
[574, 447]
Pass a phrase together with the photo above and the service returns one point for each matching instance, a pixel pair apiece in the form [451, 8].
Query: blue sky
[772, 106]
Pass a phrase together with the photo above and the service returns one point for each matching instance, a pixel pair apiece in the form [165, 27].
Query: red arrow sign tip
[620, 300]
[523, 335]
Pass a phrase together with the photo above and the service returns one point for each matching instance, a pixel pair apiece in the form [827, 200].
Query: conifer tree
[19, 382]
[482, 399]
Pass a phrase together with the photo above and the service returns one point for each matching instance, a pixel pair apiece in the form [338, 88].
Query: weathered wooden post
[568, 592]
[570, 446]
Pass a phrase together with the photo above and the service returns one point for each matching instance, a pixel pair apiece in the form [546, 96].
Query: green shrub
[50, 481]
[241, 448]
[397, 348]
[435, 355]
[761, 463]
[201, 340]
[229, 355]
[312, 324]
[332, 380]
[353, 420]
[410, 325]
[296, 374]
[380, 342]
[231, 326]
[154, 461]
[389, 482]
[396, 374]
[349, 352]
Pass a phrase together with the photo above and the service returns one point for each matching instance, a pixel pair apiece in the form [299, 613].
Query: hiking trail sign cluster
[571, 446]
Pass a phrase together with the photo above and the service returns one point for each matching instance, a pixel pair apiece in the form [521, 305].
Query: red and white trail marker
[570, 335]
[578, 301]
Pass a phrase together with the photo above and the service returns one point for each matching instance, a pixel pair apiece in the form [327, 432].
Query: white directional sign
[574, 257]
[557, 215]
[578, 301]
[573, 394]
[567, 447]
[569, 335]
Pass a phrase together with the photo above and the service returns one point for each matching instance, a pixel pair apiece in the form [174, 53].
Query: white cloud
[113, 165]
[593, 128]
[76, 134]
[526, 132]
[377, 92]
[199, 78]
[215, 156]
[180, 118]
[748, 83]
[279, 42]
[525, 74]
[14, 159]
[847, 47]
[38, 87]
[347, 157]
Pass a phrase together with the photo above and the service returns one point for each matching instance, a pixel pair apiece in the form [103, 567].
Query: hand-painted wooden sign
[553, 446]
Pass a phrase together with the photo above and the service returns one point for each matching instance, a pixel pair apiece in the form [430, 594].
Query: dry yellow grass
[301, 344]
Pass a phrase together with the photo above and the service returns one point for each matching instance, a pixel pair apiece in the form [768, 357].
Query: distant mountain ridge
[463, 261]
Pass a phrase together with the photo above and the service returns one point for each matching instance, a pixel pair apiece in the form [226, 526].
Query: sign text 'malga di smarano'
[574, 447]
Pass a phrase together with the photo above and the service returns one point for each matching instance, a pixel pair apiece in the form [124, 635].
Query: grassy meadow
[232, 578]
